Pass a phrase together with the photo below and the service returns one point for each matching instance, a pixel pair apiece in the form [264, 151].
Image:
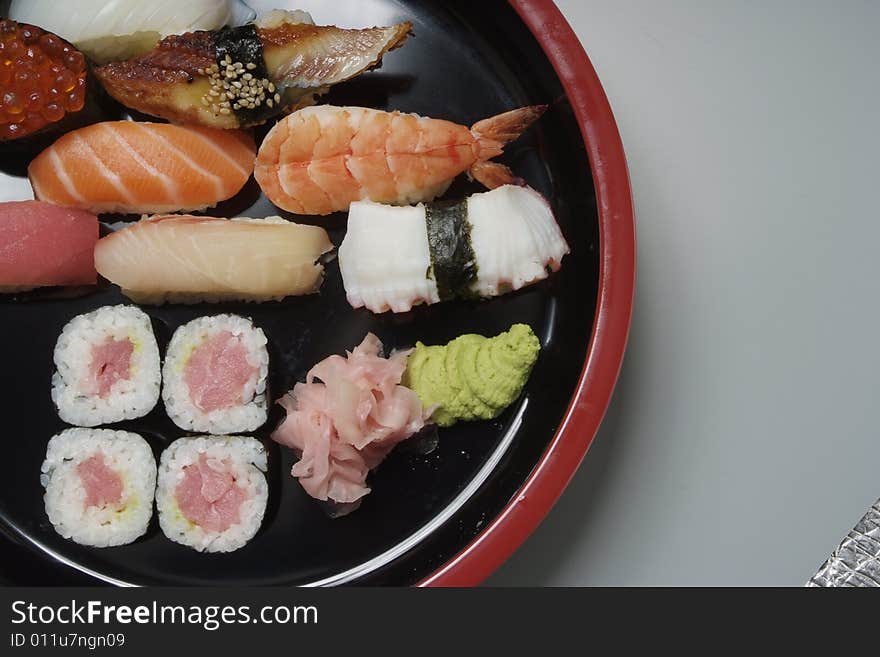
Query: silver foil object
[856, 561]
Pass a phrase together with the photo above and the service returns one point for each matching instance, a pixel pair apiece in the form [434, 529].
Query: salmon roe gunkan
[42, 78]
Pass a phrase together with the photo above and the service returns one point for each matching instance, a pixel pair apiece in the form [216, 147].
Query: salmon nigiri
[185, 259]
[131, 167]
[321, 159]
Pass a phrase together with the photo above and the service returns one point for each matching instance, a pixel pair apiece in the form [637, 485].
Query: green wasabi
[472, 377]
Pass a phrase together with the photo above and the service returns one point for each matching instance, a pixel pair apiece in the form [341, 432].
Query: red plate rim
[617, 264]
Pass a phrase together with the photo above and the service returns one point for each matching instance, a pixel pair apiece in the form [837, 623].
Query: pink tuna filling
[208, 495]
[111, 361]
[103, 485]
[218, 371]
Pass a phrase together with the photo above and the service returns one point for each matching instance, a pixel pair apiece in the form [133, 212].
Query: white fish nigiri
[106, 29]
[186, 259]
[393, 258]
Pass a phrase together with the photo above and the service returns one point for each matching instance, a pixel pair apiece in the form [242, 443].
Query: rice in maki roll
[99, 485]
[107, 367]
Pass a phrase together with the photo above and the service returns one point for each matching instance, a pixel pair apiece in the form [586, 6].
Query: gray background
[741, 443]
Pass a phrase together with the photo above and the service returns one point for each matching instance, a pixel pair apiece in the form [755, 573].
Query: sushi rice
[128, 398]
[125, 453]
[247, 415]
[246, 459]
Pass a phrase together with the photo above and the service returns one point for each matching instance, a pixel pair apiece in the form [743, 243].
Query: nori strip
[243, 44]
[453, 263]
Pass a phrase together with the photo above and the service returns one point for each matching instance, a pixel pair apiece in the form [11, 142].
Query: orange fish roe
[42, 79]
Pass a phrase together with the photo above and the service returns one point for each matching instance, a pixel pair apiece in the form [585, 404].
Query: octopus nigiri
[237, 77]
[393, 258]
[319, 160]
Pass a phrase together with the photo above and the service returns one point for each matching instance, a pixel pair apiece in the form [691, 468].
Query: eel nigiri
[239, 77]
[45, 245]
[321, 159]
[185, 259]
[393, 258]
[130, 167]
[110, 29]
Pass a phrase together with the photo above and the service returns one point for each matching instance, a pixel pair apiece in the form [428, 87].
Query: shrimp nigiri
[319, 160]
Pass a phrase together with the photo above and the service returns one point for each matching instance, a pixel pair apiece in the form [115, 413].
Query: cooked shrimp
[321, 159]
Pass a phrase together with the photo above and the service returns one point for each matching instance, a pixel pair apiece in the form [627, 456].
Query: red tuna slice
[103, 485]
[218, 371]
[208, 495]
[42, 244]
[111, 361]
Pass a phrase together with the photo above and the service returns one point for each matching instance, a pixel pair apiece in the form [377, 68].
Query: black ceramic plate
[468, 60]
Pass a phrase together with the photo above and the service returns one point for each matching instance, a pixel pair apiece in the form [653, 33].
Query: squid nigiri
[185, 259]
[393, 258]
[108, 29]
[242, 76]
[319, 160]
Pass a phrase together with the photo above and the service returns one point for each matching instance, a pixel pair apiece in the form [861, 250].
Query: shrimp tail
[493, 174]
[492, 134]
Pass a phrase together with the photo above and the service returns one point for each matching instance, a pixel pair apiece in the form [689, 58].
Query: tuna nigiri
[393, 258]
[130, 167]
[242, 76]
[181, 258]
[321, 159]
[45, 245]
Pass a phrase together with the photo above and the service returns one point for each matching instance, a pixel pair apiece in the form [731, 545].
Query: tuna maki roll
[212, 491]
[107, 367]
[215, 375]
[99, 485]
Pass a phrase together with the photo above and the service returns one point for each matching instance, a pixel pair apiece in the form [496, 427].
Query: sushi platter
[298, 293]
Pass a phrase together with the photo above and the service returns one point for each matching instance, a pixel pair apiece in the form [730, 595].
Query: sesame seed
[236, 84]
[269, 103]
[225, 110]
[271, 88]
[247, 76]
[277, 98]
[236, 106]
